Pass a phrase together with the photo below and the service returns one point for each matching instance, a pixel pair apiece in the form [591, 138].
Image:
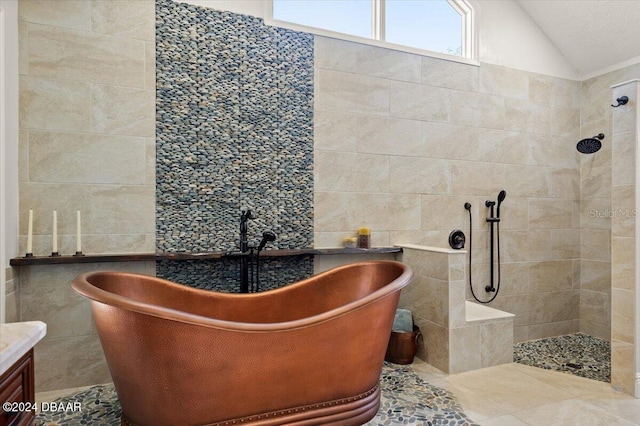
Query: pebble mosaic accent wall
[234, 129]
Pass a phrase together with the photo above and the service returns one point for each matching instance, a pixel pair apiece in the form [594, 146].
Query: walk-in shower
[494, 222]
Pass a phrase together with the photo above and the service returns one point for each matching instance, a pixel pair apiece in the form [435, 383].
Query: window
[343, 16]
[443, 26]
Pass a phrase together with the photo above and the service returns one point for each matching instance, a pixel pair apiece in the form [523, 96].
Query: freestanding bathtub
[308, 353]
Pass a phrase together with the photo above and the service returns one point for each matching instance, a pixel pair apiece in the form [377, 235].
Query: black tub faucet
[244, 248]
[244, 218]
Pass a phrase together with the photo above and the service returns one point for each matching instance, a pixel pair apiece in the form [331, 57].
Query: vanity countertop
[16, 339]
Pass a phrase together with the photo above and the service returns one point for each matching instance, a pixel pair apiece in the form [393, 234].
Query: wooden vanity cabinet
[17, 386]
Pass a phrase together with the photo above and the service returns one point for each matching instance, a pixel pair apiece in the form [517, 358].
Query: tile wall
[624, 255]
[87, 123]
[87, 142]
[403, 141]
[12, 295]
[595, 210]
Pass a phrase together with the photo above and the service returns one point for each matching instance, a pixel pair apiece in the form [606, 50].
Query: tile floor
[516, 395]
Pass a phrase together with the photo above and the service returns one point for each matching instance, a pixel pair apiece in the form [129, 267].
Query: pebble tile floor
[578, 354]
[506, 395]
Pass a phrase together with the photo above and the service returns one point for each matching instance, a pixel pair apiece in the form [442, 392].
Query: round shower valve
[457, 239]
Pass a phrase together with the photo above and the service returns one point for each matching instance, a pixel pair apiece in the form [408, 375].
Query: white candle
[55, 232]
[78, 233]
[30, 233]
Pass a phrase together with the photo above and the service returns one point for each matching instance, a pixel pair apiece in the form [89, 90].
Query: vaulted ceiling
[592, 34]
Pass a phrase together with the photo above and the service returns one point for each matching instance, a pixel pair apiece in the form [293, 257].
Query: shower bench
[459, 335]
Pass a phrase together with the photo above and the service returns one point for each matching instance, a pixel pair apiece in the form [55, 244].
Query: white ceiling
[593, 35]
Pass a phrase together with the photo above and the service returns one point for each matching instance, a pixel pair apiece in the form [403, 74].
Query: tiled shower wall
[624, 251]
[403, 141]
[595, 211]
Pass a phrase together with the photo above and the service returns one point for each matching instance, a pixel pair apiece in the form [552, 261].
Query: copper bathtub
[308, 353]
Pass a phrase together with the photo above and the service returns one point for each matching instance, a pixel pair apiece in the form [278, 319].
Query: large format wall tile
[335, 211]
[449, 74]
[386, 135]
[74, 14]
[84, 158]
[525, 116]
[83, 56]
[388, 63]
[351, 172]
[65, 313]
[337, 131]
[334, 54]
[122, 111]
[478, 110]
[70, 362]
[419, 175]
[120, 209]
[407, 100]
[128, 19]
[339, 91]
[502, 81]
[550, 213]
[442, 140]
[54, 104]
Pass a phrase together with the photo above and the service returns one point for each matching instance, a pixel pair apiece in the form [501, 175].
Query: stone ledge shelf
[16, 339]
[477, 314]
[146, 257]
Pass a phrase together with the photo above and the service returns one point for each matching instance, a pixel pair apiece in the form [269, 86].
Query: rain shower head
[590, 145]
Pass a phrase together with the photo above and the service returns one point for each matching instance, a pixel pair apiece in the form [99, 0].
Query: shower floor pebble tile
[578, 354]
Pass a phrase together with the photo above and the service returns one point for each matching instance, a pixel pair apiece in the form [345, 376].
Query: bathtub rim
[82, 286]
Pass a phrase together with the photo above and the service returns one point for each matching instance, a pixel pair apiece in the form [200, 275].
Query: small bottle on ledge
[364, 238]
[350, 242]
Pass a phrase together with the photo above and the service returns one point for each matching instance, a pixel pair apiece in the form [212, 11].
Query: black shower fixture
[267, 237]
[501, 196]
[590, 145]
[457, 239]
[622, 100]
[494, 223]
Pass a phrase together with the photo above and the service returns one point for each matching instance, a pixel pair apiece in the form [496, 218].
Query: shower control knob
[457, 239]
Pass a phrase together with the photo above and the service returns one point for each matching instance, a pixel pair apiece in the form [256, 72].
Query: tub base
[355, 410]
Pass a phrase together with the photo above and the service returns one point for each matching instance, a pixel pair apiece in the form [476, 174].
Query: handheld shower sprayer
[267, 237]
[501, 196]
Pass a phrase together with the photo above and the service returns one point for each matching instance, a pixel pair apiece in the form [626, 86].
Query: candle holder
[79, 253]
[28, 255]
[55, 254]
